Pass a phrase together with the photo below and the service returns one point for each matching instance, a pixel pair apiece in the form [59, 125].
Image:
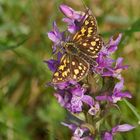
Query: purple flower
[78, 132]
[83, 138]
[116, 71]
[113, 43]
[73, 127]
[73, 98]
[122, 128]
[94, 109]
[56, 36]
[72, 28]
[74, 95]
[72, 17]
[70, 13]
[117, 93]
[104, 62]
[118, 128]
[52, 63]
[104, 59]
[104, 98]
[107, 136]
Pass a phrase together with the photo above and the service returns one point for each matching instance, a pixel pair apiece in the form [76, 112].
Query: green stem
[133, 109]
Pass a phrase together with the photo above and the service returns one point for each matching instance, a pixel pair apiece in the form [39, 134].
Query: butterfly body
[80, 52]
[71, 48]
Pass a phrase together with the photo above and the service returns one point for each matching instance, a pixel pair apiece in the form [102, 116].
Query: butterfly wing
[86, 39]
[71, 68]
[90, 46]
[62, 73]
[74, 67]
[79, 68]
[88, 28]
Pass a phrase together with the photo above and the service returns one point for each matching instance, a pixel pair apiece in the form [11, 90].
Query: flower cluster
[82, 99]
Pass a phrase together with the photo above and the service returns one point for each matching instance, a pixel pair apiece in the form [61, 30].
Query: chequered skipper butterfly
[80, 52]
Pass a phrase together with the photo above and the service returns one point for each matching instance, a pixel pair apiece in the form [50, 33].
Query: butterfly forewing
[88, 28]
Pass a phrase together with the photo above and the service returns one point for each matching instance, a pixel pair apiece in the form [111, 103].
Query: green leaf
[5, 46]
[135, 27]
[133, 109]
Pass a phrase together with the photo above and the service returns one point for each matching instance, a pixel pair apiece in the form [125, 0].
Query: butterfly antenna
[85, 6]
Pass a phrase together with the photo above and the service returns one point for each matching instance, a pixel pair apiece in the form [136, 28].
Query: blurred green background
[28, 110]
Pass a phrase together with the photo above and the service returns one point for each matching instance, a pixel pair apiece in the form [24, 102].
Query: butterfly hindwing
[62, 73]
[79, 68]
[90, 46]
[71, 68]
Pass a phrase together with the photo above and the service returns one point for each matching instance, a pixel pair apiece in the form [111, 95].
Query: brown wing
[71, 67]
[79, 68]
[88, 28]
[62, 73]
[90, 46]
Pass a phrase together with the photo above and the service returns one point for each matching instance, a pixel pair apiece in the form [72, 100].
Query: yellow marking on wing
[80, 68]
[59, 78]
[86, 22]
[75, 35]
[88, 35]
[92, 22]
[83, 71]
[64, 61]
[68, 70]
[62, 57]
[74, 76]
[91, 48]
[61, 67]
[56, 74]
[76, 71]
[97, 39]
[64, 73]
[83, 30]
[93, 43]
[73, 63]
[90, 30]
[68, 61]
[84, 44]
[79, 36]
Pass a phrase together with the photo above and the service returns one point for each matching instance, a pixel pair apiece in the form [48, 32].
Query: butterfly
[80, 52]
